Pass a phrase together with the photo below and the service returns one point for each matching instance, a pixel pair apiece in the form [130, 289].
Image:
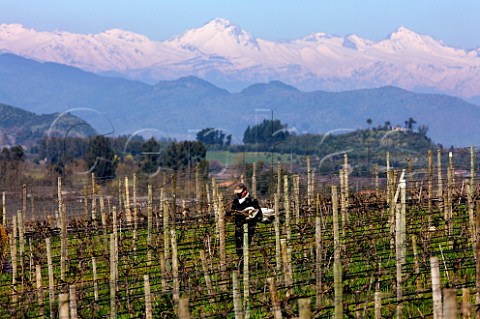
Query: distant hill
[177, 109]
[18, 126]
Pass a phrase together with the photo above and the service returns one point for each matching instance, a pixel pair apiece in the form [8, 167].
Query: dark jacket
[248, 202]
[241, 220]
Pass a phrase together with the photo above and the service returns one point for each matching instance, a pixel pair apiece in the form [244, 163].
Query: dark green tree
[409, 123]
[101, 159]
[150, 155]
[387, 125]
[4, 164]
[183, 155]
[422, 130]
[369, 122]
[12, 166]
[17, 153]
[211, 136]
[266, 132]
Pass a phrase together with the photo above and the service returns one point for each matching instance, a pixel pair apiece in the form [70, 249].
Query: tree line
[103, 155]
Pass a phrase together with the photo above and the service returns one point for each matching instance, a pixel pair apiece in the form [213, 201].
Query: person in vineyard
[245, 210]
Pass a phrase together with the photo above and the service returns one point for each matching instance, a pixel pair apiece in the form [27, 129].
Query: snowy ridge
[225, 54]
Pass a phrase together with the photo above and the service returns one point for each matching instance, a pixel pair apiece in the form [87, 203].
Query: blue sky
[456, 22]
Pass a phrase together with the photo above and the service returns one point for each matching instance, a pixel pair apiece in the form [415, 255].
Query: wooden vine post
[51, 287]
[162, 200]
[38, 282]
[343, 211]
[388, 178]
[24, 204]
[95, 280]
[184, 308]
[166, 237]
[471, 215]
[337, 264]
[436, 288]
[94, 201]
[222, 239]
[309, 183]
[378, 302]
[476, 251]
[277, 310]
[345, 201]
[286, 207]
[4, 210]
[400, 245]
[209, 203]
[13, 254]
[63, 306]
[466, 306]
[135, 208]
[176, 281]
[304, 308]
[450, 303]
[472, 171]
[21, 241]
[279, 179]
[430, 187]
[246, 276]
[318, 261]
[32, 206]
[276, 225]
[448, 204]
[237, 297]
[150, 224]
[73, 302]
[312, 189]
[128, 212]
[439, 180]
[113, 278]
[148, 298]
[391, 205]
[296, 196]
[85, 200]
[114, 245]
[103, 216]
[198, 190]
[63, 232]
[254, 179]
[174, 201]
[287, 268]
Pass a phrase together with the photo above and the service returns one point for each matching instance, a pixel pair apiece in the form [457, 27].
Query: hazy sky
[456, 22]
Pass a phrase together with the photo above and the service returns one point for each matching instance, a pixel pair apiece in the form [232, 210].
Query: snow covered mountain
[228, 56]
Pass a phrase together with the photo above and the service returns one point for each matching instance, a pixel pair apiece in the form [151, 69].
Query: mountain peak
[190, 83]
[406, 40]
[126, 36]
[12, 31]
[272, 86]
[11, 26]
[403, 32]
[220, 23]
[355, 42]
[317, 37]
[217, 34]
